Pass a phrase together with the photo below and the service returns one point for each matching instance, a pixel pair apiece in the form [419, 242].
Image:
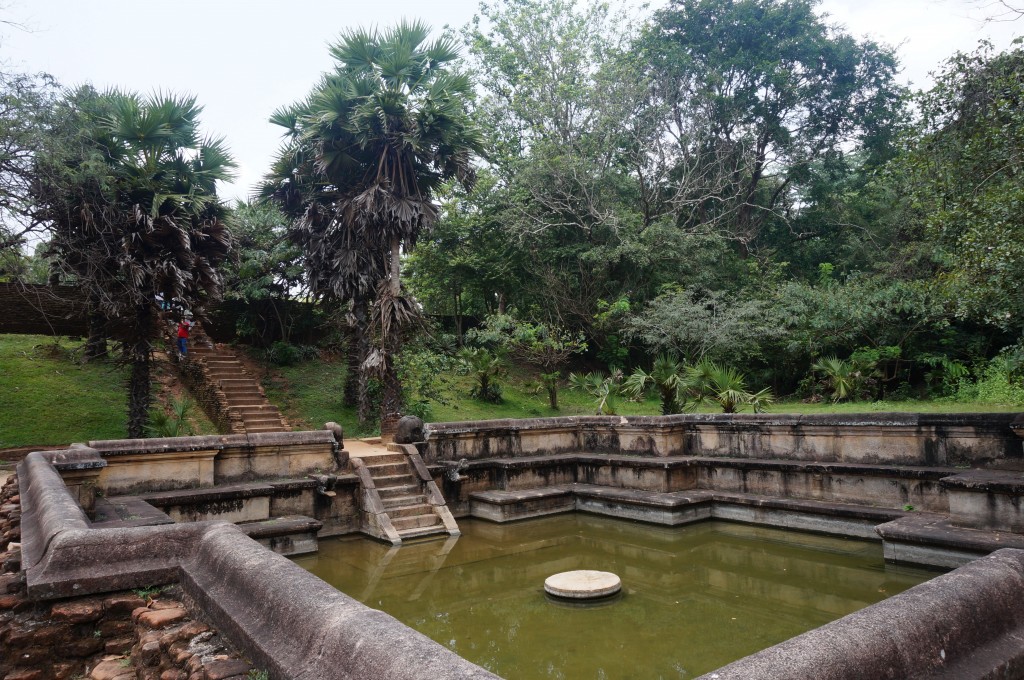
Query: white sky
[245, 58]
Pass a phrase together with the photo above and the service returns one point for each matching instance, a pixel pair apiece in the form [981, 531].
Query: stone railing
[884, 438]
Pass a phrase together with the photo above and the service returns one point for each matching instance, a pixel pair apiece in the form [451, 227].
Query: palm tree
[725, 387]
[128, 189]
[367, 151]
[668, 375]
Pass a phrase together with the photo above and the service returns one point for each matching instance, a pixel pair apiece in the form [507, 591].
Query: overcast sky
[244, 59]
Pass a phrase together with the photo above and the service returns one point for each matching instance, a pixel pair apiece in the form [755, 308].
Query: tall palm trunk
[362, 351]
[96, 345]
[139, 395]
[353, 362]
[391, 398]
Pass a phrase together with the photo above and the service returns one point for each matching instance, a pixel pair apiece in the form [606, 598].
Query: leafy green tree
[265, 269]
[26, 116]
[763, 91]
[543, 346]
[127, 189]
[965, 165]
[709, 324]
[367, 152]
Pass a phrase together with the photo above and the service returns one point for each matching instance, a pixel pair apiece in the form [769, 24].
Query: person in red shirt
[184, 326]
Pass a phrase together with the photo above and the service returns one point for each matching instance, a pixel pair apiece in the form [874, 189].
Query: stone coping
[115, 447]
[888, 420]
[682, 462]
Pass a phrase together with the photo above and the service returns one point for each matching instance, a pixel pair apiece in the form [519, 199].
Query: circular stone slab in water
[584, 584]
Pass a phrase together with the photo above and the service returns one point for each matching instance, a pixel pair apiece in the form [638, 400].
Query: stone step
[406, 534]
[288, 535]
[385, 459]
[415, 522]
[252, 425]
[264, 409]
[385, 469]
[237, 382]
[264, 428]
[243, 392]
[410, 510]
[246, 401]
[398, 502]
[397, 491]
[223, 362]
[388, 481]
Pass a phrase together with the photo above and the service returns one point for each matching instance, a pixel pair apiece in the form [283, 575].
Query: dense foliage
[716, 202]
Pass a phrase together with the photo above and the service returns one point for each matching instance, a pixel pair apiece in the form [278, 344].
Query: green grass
[310, 394]
[47, 397]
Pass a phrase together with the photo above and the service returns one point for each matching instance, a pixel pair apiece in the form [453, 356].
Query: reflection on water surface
[695, 597]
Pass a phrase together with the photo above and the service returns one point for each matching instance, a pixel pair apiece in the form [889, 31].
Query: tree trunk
[350, 396]
[553, 396]
[96, 345]
[139, 395]
[391, 397]
[362, 348]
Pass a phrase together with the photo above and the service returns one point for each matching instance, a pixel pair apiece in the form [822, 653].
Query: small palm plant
[668, 376]
[726, 387]
[487, 368]
[603, 388]
[842, 377]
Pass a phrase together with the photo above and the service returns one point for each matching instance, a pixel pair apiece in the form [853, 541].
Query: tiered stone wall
[925, 439]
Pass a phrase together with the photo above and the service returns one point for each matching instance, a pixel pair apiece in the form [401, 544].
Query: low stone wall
[135, 465]
[885, 438]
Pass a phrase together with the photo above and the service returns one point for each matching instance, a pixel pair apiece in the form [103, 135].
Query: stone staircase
[229, 394]
[400, 499]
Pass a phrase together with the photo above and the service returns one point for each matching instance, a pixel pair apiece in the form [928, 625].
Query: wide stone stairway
[231, 395]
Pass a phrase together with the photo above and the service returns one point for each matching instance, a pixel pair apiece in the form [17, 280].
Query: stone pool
[694, 598]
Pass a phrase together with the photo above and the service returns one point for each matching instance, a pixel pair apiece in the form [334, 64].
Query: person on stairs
[184, 326]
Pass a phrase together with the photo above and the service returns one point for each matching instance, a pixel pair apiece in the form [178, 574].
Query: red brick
[220, 670]
[120, 645]
[24, 674]
[162, 618]
[124, 603]
[78, 611]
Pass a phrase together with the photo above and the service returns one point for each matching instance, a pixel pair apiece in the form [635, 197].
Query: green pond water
[694, 598]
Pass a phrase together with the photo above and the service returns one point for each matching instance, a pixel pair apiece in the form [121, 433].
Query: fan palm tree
[725, 387]
[668, 375]
[128, 189]
[366, 152]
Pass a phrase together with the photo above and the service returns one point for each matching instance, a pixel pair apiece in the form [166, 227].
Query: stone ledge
[991, 481]
[280, 526]
[921, 528]
[207, 495]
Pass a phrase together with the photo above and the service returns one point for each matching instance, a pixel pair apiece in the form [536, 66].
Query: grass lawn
[310, 394]
[47, 397]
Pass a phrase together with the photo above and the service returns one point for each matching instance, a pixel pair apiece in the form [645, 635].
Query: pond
[693, 599]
